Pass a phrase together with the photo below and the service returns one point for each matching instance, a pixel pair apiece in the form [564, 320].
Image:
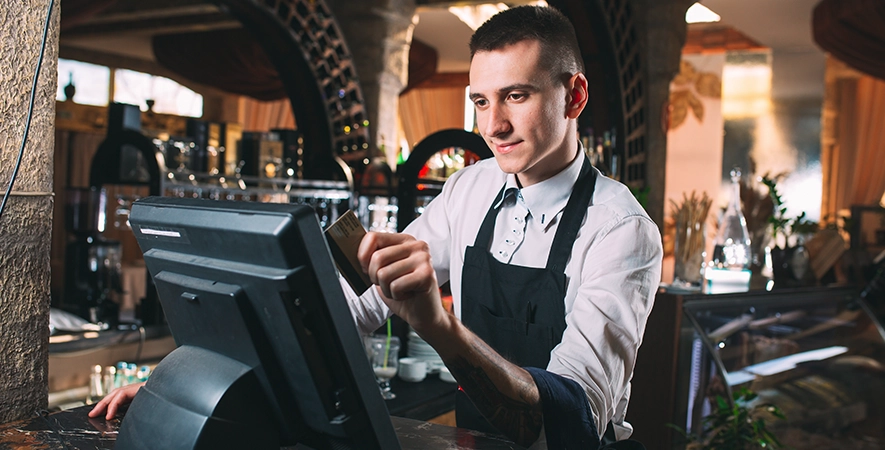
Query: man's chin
[508, 165]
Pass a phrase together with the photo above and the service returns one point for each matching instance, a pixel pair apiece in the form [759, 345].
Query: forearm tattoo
[520, 417]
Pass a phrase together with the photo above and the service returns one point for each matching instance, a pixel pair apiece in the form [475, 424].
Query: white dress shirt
[612, 275]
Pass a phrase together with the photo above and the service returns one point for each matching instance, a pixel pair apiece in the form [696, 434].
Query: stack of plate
[423, 351]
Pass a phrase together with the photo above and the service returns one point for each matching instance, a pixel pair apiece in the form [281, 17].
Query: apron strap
[572, 216]
[484, 237]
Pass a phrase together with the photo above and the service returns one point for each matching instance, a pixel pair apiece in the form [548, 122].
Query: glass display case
[817, 354]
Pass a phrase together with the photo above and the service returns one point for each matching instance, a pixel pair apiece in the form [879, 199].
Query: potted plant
[788, 255]
[737, 425]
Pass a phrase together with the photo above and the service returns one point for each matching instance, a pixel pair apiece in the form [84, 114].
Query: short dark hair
[544, 24]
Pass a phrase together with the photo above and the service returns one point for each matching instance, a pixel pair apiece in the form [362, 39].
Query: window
[92, 87]
[169, 97]
[90, 81]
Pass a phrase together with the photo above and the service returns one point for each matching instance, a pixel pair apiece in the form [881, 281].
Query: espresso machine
[92, 263]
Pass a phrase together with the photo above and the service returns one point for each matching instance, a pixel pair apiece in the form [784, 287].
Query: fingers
[115, 404]
[402, 269]
[115, 400]
[100, 407]
[411, 275]
[372, 242]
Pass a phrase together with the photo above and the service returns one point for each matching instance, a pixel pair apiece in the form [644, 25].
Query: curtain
[853, 140]
[869, 182]
[426, 110]
[263, 116]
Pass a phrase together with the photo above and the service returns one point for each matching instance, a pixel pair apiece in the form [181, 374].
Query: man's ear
[578, 95]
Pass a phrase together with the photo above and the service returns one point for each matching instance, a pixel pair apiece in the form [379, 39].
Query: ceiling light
[699, 13]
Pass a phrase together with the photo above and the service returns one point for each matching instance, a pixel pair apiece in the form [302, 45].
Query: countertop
[421, 401]
[74, 430]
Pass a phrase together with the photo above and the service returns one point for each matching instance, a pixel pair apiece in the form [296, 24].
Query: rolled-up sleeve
[568, 418]
[604, 326]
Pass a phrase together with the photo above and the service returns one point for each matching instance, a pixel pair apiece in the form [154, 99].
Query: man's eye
[517, 96]
[479, 103]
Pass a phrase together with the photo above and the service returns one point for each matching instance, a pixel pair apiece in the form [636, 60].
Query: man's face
[522, 111]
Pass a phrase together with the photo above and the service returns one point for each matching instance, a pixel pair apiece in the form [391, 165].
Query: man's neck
[573, 151]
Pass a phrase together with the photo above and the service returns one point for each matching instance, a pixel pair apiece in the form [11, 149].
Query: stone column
[26, 223]
[379, 34]
[664, 31]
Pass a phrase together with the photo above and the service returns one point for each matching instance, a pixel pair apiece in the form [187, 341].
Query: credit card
[344, 238]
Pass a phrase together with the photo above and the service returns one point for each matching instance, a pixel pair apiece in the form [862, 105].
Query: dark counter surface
[421, 401]
[74, 430]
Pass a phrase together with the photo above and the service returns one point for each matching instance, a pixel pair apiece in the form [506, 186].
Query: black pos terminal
[268, 353]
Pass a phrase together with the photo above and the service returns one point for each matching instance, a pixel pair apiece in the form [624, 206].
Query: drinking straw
[387, 344]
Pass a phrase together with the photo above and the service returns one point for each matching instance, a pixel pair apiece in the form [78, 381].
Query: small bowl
[412, 369]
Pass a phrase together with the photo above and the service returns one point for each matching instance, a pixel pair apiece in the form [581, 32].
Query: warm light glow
[699, 13]
[61, 339]
[476, 15]
[882, 201]
[746, 89]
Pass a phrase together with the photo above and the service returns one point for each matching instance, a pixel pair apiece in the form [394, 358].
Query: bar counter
[423, 401]
[74, 430]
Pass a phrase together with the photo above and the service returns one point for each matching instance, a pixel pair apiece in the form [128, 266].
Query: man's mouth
[506, 147]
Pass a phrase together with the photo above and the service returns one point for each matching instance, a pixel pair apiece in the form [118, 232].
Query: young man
[553, 267]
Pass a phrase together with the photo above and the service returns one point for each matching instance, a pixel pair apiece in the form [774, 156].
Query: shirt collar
[546, 199]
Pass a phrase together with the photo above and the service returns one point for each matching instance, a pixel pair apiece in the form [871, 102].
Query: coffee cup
[412, 369]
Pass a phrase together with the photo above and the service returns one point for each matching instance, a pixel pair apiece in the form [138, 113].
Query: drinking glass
[383, 354]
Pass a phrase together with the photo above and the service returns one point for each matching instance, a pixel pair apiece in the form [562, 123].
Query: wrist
[442, 334]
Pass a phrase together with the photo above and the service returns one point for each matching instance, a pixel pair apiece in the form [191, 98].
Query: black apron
[519, 311]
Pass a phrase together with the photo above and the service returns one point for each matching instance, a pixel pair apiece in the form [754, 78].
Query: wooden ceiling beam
[157, 25]
[143, 6]
[112, 16]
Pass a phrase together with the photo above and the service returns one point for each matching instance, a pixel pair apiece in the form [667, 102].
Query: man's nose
[497, 121]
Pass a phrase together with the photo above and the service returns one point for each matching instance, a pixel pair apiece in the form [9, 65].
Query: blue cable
[21, 151]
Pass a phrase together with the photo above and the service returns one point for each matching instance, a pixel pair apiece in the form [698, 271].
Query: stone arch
[305, 44]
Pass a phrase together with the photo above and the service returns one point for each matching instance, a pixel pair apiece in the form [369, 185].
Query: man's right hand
[115, 400]
[401, 267]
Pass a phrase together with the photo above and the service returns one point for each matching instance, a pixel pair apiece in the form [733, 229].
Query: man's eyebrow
[519, 87]
[512, 87]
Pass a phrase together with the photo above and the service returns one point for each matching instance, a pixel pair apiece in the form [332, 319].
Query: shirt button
[505, 254]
